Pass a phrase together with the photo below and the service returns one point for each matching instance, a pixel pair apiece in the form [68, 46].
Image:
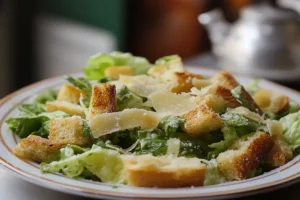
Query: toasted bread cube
[184, 81]
[69, 93]
[281, 153]
[244, 156]
[271, 101]
[201, 120]
[103, 99]
[67, 131]
[219, 98]
[67, 107]
[163, 171]
[35, 148]
[225, 79]
[115, 72]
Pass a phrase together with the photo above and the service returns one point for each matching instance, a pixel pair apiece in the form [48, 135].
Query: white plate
[29, 171]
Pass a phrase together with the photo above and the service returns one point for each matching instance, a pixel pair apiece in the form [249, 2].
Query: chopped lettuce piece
[253, 87]
[97, 64]
[170, 124]
[48, 95]
[173, 146]
[291, 129]
[71, 150]
[86, 131]
[105, 164]
[25, 125]
[105, 80]
[127, 99]
[230, 136]
[167, 59]
[212, 174]
[32, 109]
[94, 70]
[81, 83]
[242, 124]
[242, 96]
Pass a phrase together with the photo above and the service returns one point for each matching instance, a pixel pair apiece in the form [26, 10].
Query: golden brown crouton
[184, 81]
[220, 98]
[271, 101]
[67, 131]
[115, 72]
[281, 153]
[35, 148]
[225, 79]
[103, 99]
[69, 93]
[244, 156]
[163, 171]
[201, 120]
[67, 107]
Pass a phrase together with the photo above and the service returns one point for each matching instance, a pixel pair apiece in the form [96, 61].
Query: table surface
[14, 188]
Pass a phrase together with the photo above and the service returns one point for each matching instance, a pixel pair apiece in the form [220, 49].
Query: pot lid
[267, 12]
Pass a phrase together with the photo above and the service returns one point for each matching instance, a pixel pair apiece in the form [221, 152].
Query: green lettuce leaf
[230, 136]
[253, 87]
[212, 174]
[127, 99]
[26, 125]
[81, 83]
[170, 124]
[105, 164]
[97, 64]
[32, 109]
[44, 97]
[291, 129]
[242, 124]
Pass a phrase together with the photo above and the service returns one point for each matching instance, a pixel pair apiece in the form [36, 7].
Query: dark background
[150, 28]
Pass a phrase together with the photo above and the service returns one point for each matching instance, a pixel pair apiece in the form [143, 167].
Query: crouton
[69, 93]
[281, 153]
[201, 120]
[163, 172]
[67, 107]
[67, 131]
[115, 72]
[225, 79]
[271, 101]
[244, 156]
[220, 98]
[103, 99]
[184, 81]
[35, 148]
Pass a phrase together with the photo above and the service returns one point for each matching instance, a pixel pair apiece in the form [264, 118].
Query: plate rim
[101, 193]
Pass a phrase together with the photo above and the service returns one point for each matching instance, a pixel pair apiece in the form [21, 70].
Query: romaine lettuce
[230, 136]
[291, 129]
[212, 173]
[170, 124]
[127, 99]
[105, 164]
[28, 124]
[96, 66]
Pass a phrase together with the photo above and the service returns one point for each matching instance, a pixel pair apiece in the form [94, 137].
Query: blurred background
[40, 39]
